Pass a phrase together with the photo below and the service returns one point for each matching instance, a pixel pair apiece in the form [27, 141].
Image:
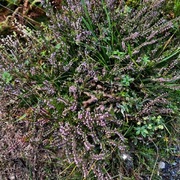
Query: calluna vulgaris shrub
[101, 75]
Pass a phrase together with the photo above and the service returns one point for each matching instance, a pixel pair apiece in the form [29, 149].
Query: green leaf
[138, 132]
[22, 117]
[145, 60]
[58, 46]
[6, 76]
[127, 80]
[161, 127]
[14, 2]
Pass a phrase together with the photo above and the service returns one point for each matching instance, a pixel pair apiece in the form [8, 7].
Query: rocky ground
[170, 169]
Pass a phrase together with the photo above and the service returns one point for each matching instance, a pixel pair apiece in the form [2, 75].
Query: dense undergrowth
[92, 95]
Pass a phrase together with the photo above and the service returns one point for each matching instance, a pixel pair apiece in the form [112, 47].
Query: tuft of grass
[89, 92]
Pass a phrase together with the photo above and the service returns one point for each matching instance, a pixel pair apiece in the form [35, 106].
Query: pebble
[161, 165]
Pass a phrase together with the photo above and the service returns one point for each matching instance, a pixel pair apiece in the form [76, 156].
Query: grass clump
[89, 91]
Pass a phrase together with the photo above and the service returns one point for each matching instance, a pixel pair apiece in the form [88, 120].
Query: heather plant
[89, 89]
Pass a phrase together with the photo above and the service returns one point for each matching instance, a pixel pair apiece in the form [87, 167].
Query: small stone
[174, 163]
[161, 165]
[173, 173]
[12, 177]
[125, 156]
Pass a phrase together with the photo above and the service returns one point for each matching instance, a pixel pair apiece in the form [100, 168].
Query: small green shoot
[6, 76]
